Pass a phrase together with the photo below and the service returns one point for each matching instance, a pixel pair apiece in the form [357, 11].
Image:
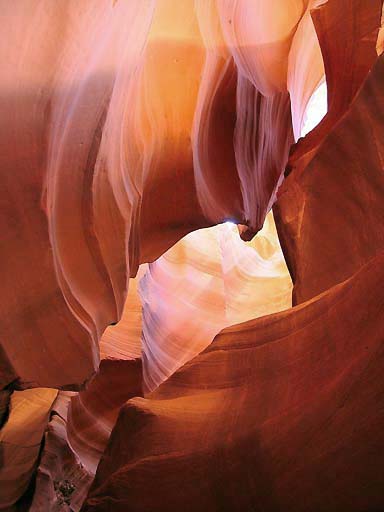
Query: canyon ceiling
[192, 255]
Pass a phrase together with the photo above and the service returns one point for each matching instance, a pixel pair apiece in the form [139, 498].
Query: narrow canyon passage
[191, 256]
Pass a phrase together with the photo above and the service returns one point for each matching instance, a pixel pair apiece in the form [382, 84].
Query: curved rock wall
[126, 125]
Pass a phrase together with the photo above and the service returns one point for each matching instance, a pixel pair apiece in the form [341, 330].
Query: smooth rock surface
[284, 412]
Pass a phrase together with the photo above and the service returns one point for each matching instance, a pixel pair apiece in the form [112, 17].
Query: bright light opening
[316, 109]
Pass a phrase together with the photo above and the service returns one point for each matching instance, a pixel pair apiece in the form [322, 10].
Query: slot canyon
[192, 239]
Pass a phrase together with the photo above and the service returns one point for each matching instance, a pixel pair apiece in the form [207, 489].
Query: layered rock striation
[150, 358]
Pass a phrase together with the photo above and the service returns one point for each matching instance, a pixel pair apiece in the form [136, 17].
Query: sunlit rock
[210, 279]
[268, 417]
[143, 145]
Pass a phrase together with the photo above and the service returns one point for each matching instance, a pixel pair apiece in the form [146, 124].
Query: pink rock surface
[323, 245]
[96, 132]
[125, 126]
[92, 413]
[282, 412]
[210, 279]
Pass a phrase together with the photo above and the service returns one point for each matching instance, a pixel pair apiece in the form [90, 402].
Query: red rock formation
[97, 136]
[280, 413]
[306, 427]
[209, 280]
[348, 39]
[20, 439]
[126, 125]
[61, 479]
[123, 340]
[323, 245]
[92, 413]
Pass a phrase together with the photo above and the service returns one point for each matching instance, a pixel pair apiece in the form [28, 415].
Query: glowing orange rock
[61, 478]
[328, 206]
[20, 439]
[282, 412]
[210, 279]
[127, 125]
[92, 413]
[111, 160]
